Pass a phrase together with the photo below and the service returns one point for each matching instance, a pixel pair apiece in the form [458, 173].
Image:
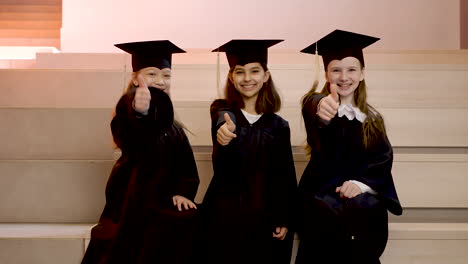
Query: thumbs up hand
[328, 106]
[141, 102]
[226, 132]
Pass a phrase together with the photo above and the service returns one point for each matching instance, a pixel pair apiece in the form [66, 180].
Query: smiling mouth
[344, 86]
[248, 86]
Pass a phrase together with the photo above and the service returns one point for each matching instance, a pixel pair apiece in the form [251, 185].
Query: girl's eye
[255, 71]
[167, 76]
[152, 74]
[239, 72]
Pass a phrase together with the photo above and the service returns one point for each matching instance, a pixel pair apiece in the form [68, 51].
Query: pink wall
[93, 26]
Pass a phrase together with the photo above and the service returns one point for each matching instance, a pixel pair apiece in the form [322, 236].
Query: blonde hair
[373, 127]
[131, 87]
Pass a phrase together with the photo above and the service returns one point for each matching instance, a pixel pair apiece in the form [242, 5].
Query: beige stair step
[17, 63]
[51, 191]
[66, 191]
[428, 231]
[61, 88]
[424, 243]
[56, 134]
[84, 61]
[79, 187]
[390, 86]
[38, 231]
[431, 215]
[41, 251]
[392, 60]
[12, 52]
[48, 42]
[57, 127]
[409, 243]
[43, 243]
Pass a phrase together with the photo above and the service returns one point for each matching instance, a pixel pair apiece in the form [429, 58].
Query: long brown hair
[268, 100]
[373, 128]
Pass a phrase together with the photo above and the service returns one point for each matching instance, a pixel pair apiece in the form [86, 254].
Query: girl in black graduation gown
[149, 215]
[248, 204]
[347, 186]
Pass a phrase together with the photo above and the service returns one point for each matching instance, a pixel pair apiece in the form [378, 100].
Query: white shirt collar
[351, 112]
[251, 117]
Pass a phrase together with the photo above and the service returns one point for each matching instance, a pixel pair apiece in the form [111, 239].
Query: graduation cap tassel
[124, 76]
[317, 69]
[218, 78]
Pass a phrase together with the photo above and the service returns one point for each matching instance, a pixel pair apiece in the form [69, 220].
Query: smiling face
[155, 77]
[249, 79]
[346, 74]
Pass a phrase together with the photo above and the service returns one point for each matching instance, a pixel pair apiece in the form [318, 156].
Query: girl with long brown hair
[248, 207]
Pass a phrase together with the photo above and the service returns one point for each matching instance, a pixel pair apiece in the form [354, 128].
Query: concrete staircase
[56, 150]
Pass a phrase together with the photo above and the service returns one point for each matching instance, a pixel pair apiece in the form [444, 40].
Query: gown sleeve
[132, 130]
[186, 174]
[284, 183]
[378, 175]
[311, 119]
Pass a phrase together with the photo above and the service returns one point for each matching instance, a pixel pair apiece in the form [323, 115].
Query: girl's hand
[328, 106]
[226, 132]
[180, 201]
[348, 190]
[141, 102]
[280, 233]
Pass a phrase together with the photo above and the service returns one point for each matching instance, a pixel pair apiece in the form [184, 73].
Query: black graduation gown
[139, 223]
[335, 230]
[252, 191]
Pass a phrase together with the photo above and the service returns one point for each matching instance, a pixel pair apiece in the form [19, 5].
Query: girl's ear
[363, 74]
[267, 76]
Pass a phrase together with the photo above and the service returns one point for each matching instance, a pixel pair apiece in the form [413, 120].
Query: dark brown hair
[268, 100]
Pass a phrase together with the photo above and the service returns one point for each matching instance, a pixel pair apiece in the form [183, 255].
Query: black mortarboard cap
[157, 53]
[340, 44]
[243, 51]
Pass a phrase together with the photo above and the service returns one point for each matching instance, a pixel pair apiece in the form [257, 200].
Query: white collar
[351, 112]
[251, 117]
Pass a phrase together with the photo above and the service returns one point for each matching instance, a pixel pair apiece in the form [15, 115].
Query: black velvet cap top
[243, 51]
[157, 53]
[340, 44]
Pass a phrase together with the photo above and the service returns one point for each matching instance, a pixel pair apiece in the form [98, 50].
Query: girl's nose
[343, 76]
[158, 80]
